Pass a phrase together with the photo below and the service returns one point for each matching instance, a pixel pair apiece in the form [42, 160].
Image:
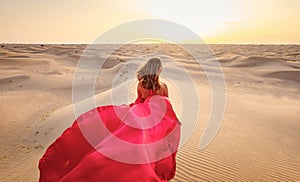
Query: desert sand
[259, 139]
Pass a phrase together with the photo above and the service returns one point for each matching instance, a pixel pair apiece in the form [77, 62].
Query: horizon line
[84, 43]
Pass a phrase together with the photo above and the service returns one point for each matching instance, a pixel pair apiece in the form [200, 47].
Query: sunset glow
[216, 21]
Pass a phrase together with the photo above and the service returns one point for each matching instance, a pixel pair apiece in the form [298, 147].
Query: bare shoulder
[139, 83]
[140, 86]
[163, 85]
[163, 89]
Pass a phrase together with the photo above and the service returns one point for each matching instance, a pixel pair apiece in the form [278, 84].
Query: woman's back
[144, 93]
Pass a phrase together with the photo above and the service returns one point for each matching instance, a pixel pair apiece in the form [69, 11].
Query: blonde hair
[148, 74]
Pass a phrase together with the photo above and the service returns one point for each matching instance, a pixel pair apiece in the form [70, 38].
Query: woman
[149, 128]
[149, 84]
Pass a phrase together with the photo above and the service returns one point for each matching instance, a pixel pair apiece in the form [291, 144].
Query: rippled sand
[260, 132]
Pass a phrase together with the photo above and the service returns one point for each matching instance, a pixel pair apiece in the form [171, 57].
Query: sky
[215, 21]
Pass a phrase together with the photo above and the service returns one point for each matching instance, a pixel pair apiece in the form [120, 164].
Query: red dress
[136, 142]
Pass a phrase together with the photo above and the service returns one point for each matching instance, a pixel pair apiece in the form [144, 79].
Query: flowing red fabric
[136, 142]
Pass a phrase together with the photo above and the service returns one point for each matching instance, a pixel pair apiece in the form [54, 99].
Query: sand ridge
[260, 133]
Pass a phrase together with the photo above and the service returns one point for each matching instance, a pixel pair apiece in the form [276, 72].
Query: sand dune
[293, 75]
[13, 78]
[258, 139]
[257, 62]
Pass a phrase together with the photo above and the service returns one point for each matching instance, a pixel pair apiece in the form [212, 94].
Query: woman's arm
[139, 92]
[165, 91]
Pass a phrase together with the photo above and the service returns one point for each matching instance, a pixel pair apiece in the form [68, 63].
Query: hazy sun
[203, 17]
